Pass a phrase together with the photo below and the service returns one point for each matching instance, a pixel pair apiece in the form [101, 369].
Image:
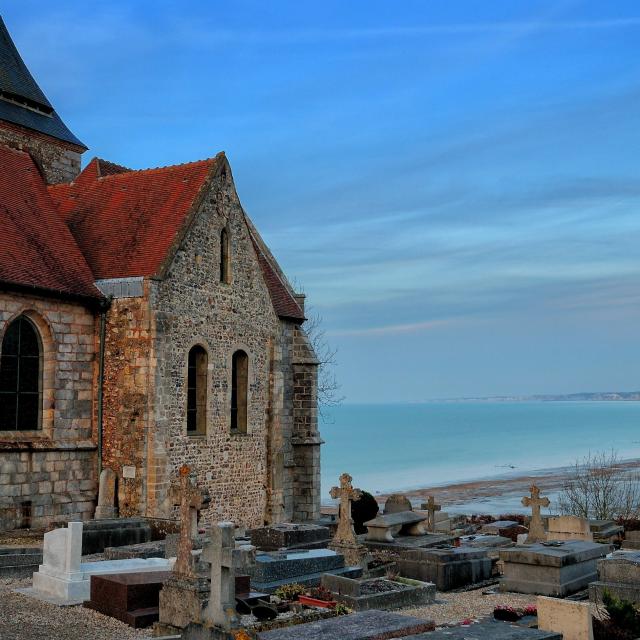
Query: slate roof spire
[22, 102]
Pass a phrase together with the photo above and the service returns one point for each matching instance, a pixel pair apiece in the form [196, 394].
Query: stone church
[144, 324]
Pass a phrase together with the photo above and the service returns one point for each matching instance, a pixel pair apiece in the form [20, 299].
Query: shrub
[602, 488]
[363, 510]
[289, 591]
[622, 613]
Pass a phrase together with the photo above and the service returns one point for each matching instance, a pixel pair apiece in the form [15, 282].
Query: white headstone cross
[221, 608]
[536, 526]
[346, 493]
[432, 507]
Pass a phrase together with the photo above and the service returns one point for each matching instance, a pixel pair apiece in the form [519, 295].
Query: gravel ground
[24, 618]
[453, 608]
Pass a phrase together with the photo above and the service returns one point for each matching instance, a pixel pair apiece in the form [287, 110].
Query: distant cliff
[597, 396]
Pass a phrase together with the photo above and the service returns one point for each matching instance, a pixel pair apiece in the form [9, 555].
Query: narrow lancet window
[197, 392]
[239, 388]
[225, 275]
[21, 377]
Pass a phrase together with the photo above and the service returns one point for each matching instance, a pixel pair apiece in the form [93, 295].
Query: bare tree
[601, 487]
[328, 385]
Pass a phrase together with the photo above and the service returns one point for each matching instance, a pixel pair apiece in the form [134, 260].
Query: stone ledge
[46, 444]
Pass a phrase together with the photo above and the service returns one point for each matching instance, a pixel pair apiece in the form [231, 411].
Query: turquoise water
[408, 446]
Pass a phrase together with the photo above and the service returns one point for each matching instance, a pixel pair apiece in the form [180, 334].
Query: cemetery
[551, 578]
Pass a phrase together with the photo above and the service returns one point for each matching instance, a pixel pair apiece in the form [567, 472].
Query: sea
[396, 447]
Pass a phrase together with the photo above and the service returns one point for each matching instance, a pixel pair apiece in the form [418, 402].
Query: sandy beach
[499, 494]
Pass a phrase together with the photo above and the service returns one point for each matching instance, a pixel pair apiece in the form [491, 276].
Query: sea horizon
[396, 447]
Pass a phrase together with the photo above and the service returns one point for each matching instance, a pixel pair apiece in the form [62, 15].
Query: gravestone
[291, 536]
[569, 528]
[304, 566]
[552, 569]
[364, 625]
[499, 527]
[221, 607]
[357, 595]
[631, 541]
[62, 578]
[571, 619]
[431, 507]
[182, 596]
[396, 503]
[131, 598]
[345, 540]
[606, 531]
[619, 575]
[446, 568]
[536, 525]
[106, 508]
[190, 500]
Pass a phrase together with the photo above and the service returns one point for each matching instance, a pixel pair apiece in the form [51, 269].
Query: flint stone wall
[58, 161]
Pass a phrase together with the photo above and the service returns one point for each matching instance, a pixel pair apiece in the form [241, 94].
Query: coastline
[496, 495]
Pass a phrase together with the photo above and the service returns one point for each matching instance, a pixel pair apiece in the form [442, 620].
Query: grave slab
[97, 535]
[446, 568]
[363, 625]
[606, 530]
[571, 619]
[304, 566]
[631, 540]
[490, 630]
[356, 595]
[130, 597]
[19, 562]
[569, 528]
[406, 543]
[383, 527]
[290, 535]
[63, 577]
[548, 570]
[619, 575]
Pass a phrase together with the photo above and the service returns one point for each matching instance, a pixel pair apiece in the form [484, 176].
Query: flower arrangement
[506, 613]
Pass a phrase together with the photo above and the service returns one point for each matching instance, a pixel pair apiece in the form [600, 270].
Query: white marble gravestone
[63, 579]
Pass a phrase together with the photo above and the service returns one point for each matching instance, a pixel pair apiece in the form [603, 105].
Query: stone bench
[383, 527]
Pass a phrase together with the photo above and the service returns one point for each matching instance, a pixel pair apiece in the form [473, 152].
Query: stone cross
[432, 507]
[221, 608]
[346, 493]
[107, 495]
[536, 526]
[187, 497]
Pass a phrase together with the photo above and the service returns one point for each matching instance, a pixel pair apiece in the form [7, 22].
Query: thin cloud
[393, 329]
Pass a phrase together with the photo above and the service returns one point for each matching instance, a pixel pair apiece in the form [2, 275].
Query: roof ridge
[159, 169]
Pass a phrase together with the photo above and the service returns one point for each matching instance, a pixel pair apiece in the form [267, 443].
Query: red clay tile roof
[125, 222]
[36, 247]
[284, 303]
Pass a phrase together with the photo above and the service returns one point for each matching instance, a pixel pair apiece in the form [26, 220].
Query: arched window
[21, 377]
[225, 275]
[239, 388]
[197, 392]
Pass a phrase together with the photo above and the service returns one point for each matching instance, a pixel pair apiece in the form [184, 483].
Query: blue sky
[455, 185]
